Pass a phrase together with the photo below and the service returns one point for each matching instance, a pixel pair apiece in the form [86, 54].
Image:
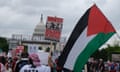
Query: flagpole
[50, 48]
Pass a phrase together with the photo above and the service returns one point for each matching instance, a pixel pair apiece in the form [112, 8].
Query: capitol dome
[39, 31]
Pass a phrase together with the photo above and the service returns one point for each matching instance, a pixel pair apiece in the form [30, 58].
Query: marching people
[35, 65]
[9, 64]
[112, 67]
[95, 65]
[2, 64]
[23, 61]
[14, 63]
[101, 65]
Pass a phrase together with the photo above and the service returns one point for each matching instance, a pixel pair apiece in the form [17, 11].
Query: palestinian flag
[90, 33]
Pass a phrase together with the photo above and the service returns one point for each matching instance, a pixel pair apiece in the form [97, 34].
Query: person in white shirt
[2, 68]
[35, 65]
[2, 64]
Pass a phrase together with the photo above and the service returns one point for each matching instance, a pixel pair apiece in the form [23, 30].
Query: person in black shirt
[22, 62]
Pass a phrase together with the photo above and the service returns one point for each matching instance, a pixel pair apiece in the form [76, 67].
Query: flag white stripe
[78, 47]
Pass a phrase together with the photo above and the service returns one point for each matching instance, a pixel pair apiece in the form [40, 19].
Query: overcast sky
[21, 16]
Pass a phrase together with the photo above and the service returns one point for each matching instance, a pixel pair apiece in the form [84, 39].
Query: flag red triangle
[98, 23]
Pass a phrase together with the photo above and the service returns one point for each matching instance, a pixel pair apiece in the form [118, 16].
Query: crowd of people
[31, 63]
[25, 63]
[95, 65]
[99, 65]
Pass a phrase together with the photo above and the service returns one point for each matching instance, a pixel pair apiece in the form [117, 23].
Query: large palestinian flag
[90, 33]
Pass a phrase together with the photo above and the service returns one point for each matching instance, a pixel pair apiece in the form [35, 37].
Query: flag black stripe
[79, 28]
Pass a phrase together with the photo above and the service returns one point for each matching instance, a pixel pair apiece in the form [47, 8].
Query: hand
[50, 62]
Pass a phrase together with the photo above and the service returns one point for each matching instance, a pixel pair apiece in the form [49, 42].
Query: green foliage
[40, 48]
[25, 48]
[105, 53]
[3, 44]
[47, 49]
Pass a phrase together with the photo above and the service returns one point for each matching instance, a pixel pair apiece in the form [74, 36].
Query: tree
[40, 48]
[47, 49]
[3, 44]
[105, 53]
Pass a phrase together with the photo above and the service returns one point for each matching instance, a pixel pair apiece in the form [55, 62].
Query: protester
[112, 67]
[9, 64]
[2, 64]
[101, 65]
[22, 62]
[35, 65]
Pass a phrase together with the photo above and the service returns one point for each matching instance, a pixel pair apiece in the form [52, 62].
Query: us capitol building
[37, 38]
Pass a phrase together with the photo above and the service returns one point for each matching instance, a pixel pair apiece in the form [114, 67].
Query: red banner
[53, 28]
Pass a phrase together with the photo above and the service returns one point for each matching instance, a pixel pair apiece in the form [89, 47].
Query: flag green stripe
[91, 47]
